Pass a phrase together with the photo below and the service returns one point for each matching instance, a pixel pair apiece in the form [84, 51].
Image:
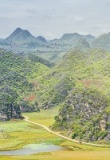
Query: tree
[9, 102]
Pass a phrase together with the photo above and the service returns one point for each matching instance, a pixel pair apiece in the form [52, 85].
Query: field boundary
[60, 135]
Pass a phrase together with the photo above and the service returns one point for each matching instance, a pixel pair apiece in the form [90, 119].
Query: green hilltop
[80, 85]
[102, 42]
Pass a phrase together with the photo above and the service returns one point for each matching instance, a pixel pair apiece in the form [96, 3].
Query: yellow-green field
[45, 117]
[15, 134]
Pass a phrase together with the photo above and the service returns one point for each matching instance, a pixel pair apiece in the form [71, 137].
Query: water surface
[32, 149]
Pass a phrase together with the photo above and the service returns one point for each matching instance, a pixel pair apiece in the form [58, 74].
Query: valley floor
[15, 134]
[62, 136]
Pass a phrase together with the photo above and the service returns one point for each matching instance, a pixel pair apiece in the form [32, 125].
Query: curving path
[58, 134]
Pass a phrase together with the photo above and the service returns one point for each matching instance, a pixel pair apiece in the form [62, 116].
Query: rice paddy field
[15, 134]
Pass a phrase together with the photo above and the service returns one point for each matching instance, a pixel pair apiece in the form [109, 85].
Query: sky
[53, 18]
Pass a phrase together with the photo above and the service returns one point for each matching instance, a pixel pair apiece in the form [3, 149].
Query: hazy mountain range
[23, 41]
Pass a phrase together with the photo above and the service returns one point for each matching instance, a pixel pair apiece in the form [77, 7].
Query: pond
[32, 149]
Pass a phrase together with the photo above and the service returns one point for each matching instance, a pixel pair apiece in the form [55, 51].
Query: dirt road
[58, 134]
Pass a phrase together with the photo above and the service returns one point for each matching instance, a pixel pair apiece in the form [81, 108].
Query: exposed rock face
[7, 114]
[3, 117]
[103, 124]
[86, 116]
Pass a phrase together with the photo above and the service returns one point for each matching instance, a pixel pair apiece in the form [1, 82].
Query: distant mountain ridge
[42, 39]
[18, 30]
[82, 44]
[24, 37]
[102, 42]
[23, 41]
[72, 38]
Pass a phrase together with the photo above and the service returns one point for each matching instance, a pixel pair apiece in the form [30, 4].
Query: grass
[64, 155]
[45, 117]
[15, 134]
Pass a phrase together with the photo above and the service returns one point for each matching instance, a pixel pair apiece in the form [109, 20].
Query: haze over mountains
[23, 41]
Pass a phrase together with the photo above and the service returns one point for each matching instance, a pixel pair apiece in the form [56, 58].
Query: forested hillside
[86, 109]
[102, 42]
[80, 85]
[16, 83]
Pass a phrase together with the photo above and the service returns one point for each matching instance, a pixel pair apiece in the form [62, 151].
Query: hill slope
[24, 38]
[17, 85]
[82, 44]
[102, 42]
[23, 41]
[86, 110]
[80, 84]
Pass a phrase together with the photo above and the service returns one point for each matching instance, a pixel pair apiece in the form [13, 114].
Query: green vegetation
[35, 58]
[45, 117]
[14, 136]
[23, 41]
[102, 42]
[82, 44]
[17, 75]
[72, 97]
[80, 85]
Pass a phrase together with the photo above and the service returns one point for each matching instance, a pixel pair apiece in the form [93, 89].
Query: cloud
[32, 11]
[52, 18]
[78, 18]
[50, 35]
